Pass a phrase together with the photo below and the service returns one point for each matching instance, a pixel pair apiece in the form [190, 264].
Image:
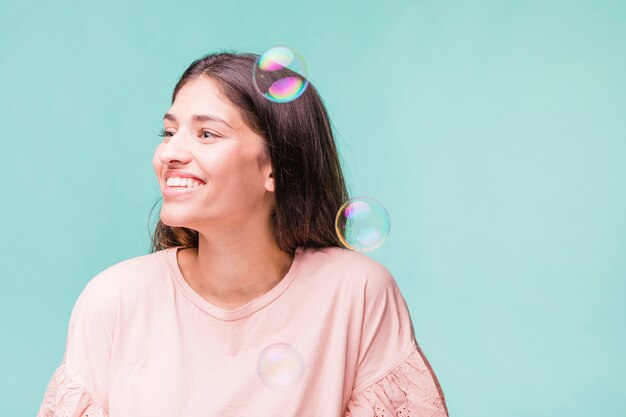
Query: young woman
[247, 305]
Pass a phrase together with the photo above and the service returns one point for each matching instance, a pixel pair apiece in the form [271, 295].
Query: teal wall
[493, 131]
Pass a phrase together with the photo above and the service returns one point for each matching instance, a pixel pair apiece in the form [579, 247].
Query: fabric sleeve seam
[83, 387]
[408, 351]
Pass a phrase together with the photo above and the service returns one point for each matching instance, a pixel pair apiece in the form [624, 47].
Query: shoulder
[128, 274]
[356, 268]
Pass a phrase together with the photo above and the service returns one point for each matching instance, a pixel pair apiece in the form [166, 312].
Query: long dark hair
[308, 181]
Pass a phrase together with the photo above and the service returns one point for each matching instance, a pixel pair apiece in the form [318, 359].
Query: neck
[239, 269]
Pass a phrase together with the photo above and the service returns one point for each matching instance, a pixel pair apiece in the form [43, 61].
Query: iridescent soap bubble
[280, 366]
[362, 224]
[280, 74]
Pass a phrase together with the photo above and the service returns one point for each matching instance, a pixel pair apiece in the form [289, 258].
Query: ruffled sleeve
[409, 390]
[80, 384]
[393, 377]
[65, 397]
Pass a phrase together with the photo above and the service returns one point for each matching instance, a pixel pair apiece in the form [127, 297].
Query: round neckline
[240, 312]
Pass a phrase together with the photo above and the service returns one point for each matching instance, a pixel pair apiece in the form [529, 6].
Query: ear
[269, 181]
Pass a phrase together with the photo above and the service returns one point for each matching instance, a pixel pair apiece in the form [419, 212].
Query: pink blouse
[333, 338]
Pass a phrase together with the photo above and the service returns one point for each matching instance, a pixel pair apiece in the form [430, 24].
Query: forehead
[203, 96]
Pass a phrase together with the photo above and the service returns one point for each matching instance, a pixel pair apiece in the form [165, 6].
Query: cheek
[234, 169]
[230, 159]
[156, 163]
[219, 167]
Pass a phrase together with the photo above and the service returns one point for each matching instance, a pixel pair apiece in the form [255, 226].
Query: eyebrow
[199, 118]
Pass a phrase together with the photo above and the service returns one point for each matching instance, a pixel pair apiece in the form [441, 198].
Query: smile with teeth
[183, 182]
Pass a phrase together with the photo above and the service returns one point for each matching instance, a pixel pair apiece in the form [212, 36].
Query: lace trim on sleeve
[410, 390]
[64, 397]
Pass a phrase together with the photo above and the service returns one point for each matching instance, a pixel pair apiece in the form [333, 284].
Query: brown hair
[309, 183]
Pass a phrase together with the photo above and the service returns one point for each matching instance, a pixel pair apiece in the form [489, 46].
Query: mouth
[174, 190]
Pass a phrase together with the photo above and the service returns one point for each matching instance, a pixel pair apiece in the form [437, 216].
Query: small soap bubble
[362, 224]
[280, 74]
[280, 366]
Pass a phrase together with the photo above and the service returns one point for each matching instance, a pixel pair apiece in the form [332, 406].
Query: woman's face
[205, 136]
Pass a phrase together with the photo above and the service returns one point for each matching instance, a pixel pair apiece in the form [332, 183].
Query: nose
[177, 148]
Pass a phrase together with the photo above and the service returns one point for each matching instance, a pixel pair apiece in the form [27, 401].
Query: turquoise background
[493, 131]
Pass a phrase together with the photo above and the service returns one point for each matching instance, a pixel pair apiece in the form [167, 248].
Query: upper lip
[181, 174]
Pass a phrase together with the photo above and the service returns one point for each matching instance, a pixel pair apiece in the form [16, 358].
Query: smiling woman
[295, 138]
[247, 303]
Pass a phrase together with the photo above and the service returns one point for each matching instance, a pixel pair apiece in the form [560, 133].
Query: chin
[173, 220]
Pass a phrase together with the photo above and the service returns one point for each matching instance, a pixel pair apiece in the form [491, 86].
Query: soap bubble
[280, 366]
[362, 224]
[280, 74]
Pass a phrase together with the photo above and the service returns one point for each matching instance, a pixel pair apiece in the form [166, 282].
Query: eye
[207, 134]
[164, 133]
[204, 134]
